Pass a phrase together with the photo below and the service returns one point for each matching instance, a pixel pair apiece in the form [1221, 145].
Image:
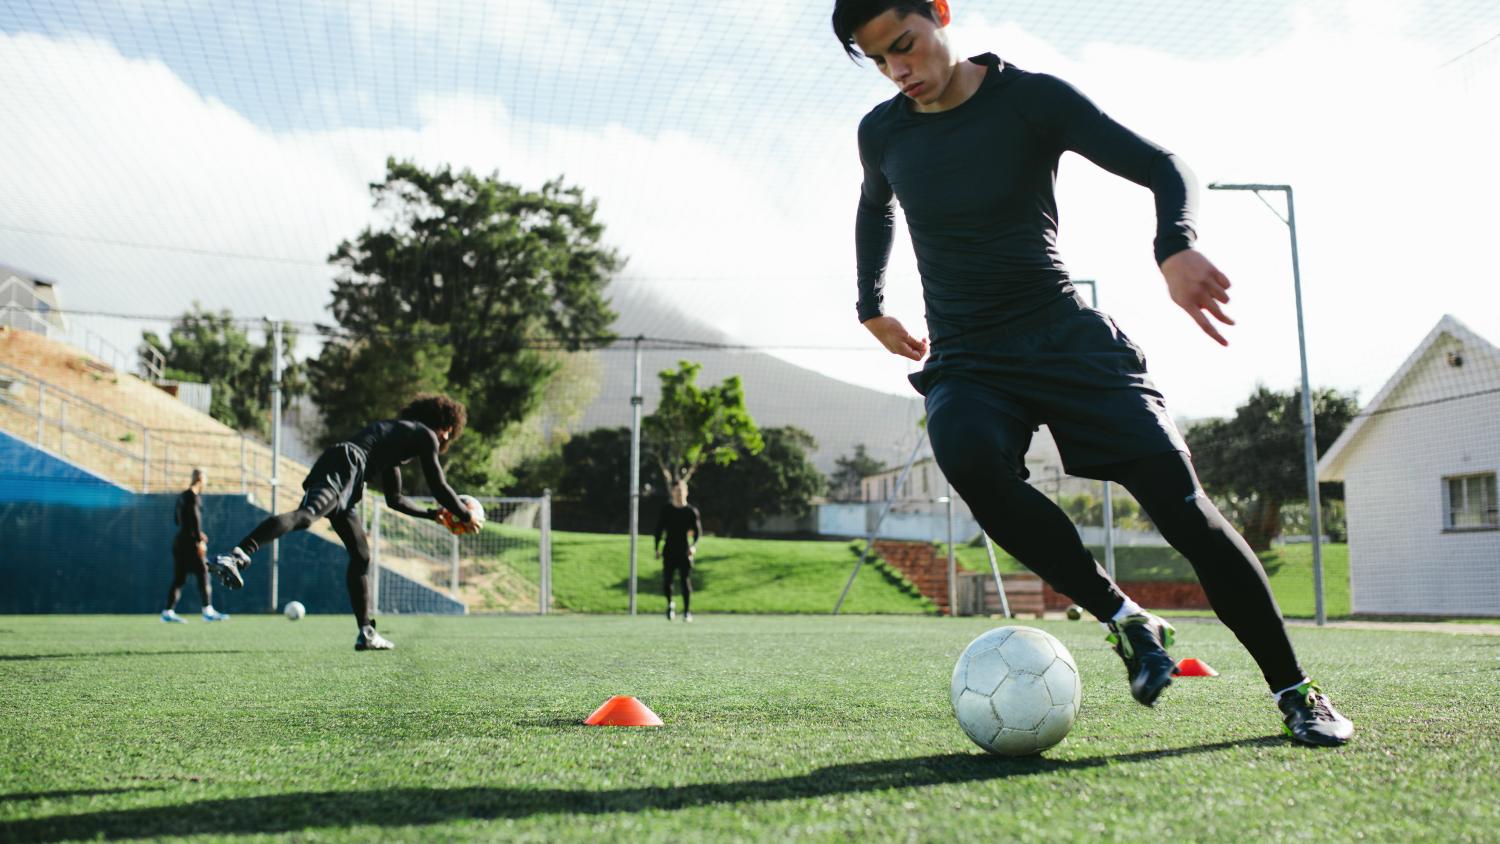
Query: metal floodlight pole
[1109, 499]
[635, 470]
[275, 446]
[875, 532]
[952, 563]
[1309, 432]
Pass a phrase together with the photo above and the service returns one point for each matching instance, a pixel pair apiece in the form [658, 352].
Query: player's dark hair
[436, 412]
[849, 15]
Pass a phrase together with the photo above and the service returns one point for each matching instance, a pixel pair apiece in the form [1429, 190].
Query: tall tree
[1253, 464]
[843, 484]
[780, 480]
[494, 273]
[212, 348]
[694, 425]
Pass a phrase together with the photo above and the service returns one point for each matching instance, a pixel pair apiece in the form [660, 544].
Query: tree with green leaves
[843, 484]
[780, 480]
[1253, 464]
[212, 348]
[693, 425]
[495, 275]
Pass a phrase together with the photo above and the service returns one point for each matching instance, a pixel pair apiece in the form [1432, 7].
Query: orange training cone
[623, 711]
[1194, 667]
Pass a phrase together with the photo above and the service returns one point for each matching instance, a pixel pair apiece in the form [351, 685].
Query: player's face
[679, 495]
[445, 439]
[911, 51]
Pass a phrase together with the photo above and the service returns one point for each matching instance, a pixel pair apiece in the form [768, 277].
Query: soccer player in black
[675, 521]
[971, 148]
[189, 547]
[336, 483]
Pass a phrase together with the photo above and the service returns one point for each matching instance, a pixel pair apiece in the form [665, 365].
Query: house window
[924, 480]
[1472, 502]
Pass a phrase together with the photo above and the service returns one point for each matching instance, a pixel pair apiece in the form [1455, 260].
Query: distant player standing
[189, 548]
[971, 149]
[336, 483]
[675, 522]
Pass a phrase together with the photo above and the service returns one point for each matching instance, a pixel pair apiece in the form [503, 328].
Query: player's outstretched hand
[1197, 286]
[895, 338]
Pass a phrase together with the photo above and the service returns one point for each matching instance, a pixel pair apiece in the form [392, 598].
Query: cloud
[742, 216]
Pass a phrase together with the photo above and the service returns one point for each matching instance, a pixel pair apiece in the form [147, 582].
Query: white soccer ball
[294, 610]
[1016, 691]
[476, 510]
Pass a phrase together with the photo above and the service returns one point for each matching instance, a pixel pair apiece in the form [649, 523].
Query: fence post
[62, 427]
[166, 465]
[41, 417]
[546, 551]
[453, 577]
[244, 475]
[145, 460]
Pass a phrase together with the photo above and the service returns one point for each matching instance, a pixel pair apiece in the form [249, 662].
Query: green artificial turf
[777, 728]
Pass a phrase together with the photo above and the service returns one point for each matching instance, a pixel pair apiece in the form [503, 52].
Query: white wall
[1400, 559]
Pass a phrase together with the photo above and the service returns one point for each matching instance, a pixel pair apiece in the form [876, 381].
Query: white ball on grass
[1016, 691]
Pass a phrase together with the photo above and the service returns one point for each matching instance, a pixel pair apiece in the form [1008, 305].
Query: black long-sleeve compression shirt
[674, 524]
[189, 516]
[975, 183]
[390, 443]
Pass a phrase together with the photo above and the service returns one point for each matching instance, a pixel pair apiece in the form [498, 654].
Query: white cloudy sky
[161, 151]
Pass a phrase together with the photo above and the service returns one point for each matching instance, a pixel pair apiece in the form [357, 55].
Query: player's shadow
[281, 814]
[21, 796]
[96, 654]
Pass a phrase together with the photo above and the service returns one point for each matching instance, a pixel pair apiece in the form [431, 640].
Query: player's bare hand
[895, 338]
[1198, 287]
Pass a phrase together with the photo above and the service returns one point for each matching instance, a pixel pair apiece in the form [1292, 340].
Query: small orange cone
[1194, 667]
[623, 711]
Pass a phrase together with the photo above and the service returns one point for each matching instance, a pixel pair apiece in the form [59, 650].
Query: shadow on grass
[21, 796]
[280, 814]
[94, 654]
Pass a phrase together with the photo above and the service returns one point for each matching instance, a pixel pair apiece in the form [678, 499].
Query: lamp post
[1108, 516]
[1309, 438]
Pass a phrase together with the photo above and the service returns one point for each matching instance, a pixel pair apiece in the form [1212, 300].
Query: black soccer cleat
[1308, 717]
[228, 570]
[1142, 640]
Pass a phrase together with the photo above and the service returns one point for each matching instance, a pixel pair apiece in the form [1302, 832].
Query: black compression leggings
[350, 531]
[684, 572]
[1036, 532]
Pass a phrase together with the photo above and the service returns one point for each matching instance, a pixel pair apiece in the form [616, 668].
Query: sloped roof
[1335, 461]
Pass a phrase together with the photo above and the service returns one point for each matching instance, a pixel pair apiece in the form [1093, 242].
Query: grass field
[775, 576]
[591, 572]
[777, 728]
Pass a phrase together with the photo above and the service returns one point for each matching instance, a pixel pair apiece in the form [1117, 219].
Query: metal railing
[127, 451]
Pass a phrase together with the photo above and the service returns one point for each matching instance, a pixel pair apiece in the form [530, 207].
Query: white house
[1419, 467]
[30, 303]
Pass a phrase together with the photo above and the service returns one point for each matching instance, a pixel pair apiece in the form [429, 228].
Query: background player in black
[425, 428]
[189, 548]
[971, 149]
[676, 520]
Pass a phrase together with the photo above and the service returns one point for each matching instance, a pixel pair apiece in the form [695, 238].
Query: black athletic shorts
[671, 561]
[1068, 367]
[336, 482]
[186, 559]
